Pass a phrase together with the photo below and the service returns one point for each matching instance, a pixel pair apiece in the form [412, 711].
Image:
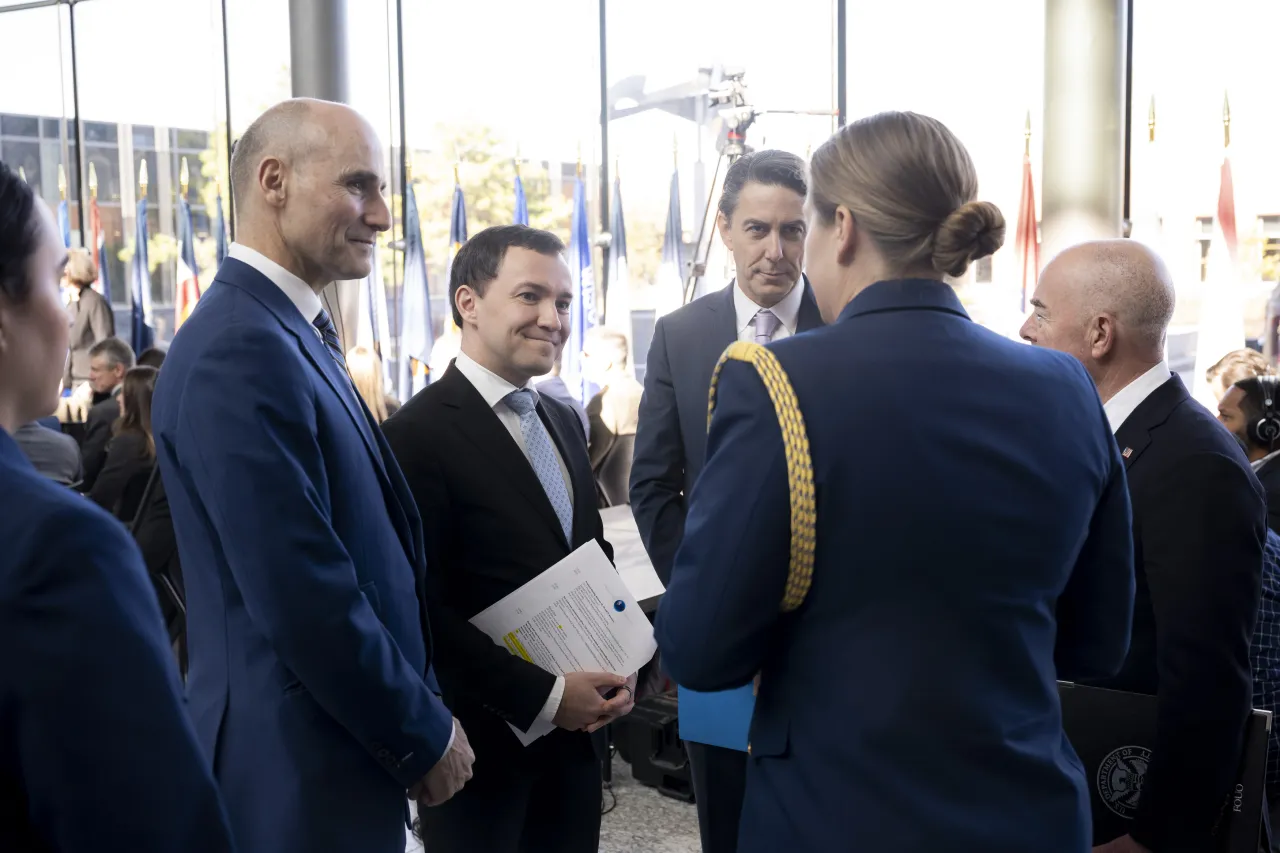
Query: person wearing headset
[1251, 410]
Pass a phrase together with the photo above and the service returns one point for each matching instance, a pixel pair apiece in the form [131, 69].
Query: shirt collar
[1257, 466]
[299, 292]
[492, 387]
[1130, 397]
[787, 311]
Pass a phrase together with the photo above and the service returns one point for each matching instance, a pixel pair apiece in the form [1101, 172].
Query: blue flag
[582, 316]
[457, 234]
[64, 223]
[143, 324]
[416, 337]
[188, 282]
[220, 230]
[617, 296]
[522, 206]
[671, 269]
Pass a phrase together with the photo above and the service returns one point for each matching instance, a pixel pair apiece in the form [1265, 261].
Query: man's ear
[272, 181]
[465, 301]
[1101, 336]
[725, 228]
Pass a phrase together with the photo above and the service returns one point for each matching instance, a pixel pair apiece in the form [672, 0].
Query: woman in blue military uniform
[910, 528]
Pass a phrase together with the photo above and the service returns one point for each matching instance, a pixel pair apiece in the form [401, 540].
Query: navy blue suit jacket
[96, 750]
[973, 546]
[302, 553]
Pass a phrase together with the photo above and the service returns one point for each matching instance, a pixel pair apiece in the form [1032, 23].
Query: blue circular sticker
[619, 605]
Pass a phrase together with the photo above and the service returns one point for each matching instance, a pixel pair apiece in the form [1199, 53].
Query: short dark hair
[770, 167]
[153, 357]
[1253, 403]
[116, 351]
[480, 258]
[19, 234]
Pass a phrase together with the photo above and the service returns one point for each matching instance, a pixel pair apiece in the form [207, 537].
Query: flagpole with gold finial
[675, 150]
[22, 174]
[1151, 120]
[62, 183]
[142, 179]
[1026, 136]
[93, 182]
[579, 170]
[518, 160]
[184, 178]
[456, 180]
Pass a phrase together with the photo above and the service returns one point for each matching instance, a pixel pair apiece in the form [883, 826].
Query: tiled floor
[643, 821]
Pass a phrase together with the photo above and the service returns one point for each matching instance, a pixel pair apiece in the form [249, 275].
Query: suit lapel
[809, 317]
[1134, 435]
[239, 274]
[480, 426]
[726, 323]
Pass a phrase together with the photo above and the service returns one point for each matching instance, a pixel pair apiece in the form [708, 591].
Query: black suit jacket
[120, 484]
[97, 435]
[1269, 475]
[489, 529]
[671, 438]
[1199, 524]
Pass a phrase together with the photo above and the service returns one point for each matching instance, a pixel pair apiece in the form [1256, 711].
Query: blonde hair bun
[972, 231]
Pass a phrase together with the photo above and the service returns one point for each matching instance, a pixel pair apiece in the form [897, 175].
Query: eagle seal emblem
[1120, 778]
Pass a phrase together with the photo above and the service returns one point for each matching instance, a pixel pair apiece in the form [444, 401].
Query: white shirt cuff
[453, 735]
[552, 706]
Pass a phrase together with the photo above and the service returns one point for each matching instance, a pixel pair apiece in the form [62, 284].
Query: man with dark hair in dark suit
[1199, 527]
[501, 476]
[761, 220]
[1251, 410]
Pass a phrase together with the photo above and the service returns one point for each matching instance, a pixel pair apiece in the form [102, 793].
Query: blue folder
[717, 719]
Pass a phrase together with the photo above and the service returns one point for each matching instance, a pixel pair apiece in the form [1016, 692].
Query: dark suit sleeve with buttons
[1202, 533]
[465, 656]
[1095, 610]
[106, 754]
[718, 618]
[657, 471]
[126, 457]
[254, 458]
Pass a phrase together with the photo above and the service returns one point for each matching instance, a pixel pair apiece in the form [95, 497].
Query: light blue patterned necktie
[542, 456]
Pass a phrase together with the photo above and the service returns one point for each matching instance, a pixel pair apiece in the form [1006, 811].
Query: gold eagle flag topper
[795, 440]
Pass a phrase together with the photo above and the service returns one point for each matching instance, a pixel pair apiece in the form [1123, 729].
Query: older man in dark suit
[761, 220]
[1199, 526]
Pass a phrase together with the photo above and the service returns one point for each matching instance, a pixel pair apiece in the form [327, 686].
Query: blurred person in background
[153, 357]
[96, 749]
[109, 360]
[365, 369]
[1251, 411]
[909, 701]
[52, 453]
[91, 317]
[612, 414]
[131, 455]
[1234, 366]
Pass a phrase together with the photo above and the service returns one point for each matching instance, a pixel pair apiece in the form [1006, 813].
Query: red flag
[1227, 211]
[1027, 240]
[95, 238]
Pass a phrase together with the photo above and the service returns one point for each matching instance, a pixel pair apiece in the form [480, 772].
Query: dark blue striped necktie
[330, 337]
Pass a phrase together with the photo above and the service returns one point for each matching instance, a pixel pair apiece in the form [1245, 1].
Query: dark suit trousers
[719, 783]
[537, 801]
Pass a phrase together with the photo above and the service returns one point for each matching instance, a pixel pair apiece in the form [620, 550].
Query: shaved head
[309, 178]
[1107, 302]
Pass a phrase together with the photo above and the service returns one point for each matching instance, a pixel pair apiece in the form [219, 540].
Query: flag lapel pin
[1127, 452]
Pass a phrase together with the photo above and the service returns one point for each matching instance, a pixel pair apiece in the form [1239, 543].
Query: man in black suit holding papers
[503, 481]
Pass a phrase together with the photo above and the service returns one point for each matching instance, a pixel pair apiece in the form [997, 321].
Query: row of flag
[416, 336]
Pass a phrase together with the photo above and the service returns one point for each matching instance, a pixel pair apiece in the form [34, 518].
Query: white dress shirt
[494, 389]
[298, 291]
[1130, 397]
[787, 311]
[309, 306]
